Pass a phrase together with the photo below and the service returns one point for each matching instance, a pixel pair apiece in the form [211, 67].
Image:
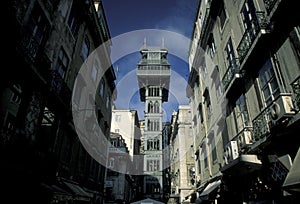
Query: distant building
[166, 134]
[126, 123]
[182, 165]
[142, 128]
[120, 187]
[244, 61]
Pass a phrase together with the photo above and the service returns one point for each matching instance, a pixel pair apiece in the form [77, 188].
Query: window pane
[222, 16]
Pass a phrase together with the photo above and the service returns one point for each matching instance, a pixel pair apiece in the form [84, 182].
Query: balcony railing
[296, 89]
[154, 70]
[261, 24]
[244, 138]
[270, 5]
[30, 47]
[261, 125]
[60, 87]
[232, 72]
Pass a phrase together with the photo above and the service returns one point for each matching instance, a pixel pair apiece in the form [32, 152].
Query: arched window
[150, 107]
[85, 48]
[102, 87]
[156, 107]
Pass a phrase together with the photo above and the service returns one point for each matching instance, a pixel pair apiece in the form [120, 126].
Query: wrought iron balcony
[244, 138]
[231, 74]
[261, 125]
[270, 5]
[261, 25]
[296, 89]
[60, 87]
[30, 47]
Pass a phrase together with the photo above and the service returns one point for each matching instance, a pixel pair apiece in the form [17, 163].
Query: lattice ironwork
[261, 125]
[296, 89]
[270, 5]
[230, 74]
[261, 24]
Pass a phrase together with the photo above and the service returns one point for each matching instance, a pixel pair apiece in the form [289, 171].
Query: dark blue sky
[126, 16]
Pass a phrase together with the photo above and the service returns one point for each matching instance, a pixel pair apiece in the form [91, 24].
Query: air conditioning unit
[282, 107]
[231, 152]
[244, 139]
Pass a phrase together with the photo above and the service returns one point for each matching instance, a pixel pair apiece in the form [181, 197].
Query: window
[73, 21]
[60, 70]
[249, 19]
[204, 71]
[156, 107]
[153, 91]
[192, 150]
[95, 71]
[241, 113]
[62, 63]
[204, 156]
[229, 54]
[211, 46]
[268, 82]
[222, 16]
[111, 163]
[102, 87]
[213, 149]
[198, 162]
[153, 125]
[154, 55]
[37, 24]
[152, 165]
[107, 102]
[218, 83]
[153, 144]
[117, 130]
[200, 112]
[207, 103]
[118, 118]
[85, 48]
[150, 107]
[16, 94]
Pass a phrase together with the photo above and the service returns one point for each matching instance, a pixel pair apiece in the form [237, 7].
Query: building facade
[153, 74]
[42, 158]
[182, 165]
[126, 123]
[120, 186]
[166, 134]
[254, 49]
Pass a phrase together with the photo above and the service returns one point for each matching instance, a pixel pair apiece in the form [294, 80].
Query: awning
[244, 164]
[209, 189]
[292, 180]
[58, 193]
[77, 190]
[147, 201]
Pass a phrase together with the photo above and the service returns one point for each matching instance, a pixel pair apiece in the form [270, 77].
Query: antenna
[163, 42]
[145, 43]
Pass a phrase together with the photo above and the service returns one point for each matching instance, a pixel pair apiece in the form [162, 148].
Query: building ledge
[242, 165]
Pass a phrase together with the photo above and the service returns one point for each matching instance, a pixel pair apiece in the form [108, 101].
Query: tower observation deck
[154, 70]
